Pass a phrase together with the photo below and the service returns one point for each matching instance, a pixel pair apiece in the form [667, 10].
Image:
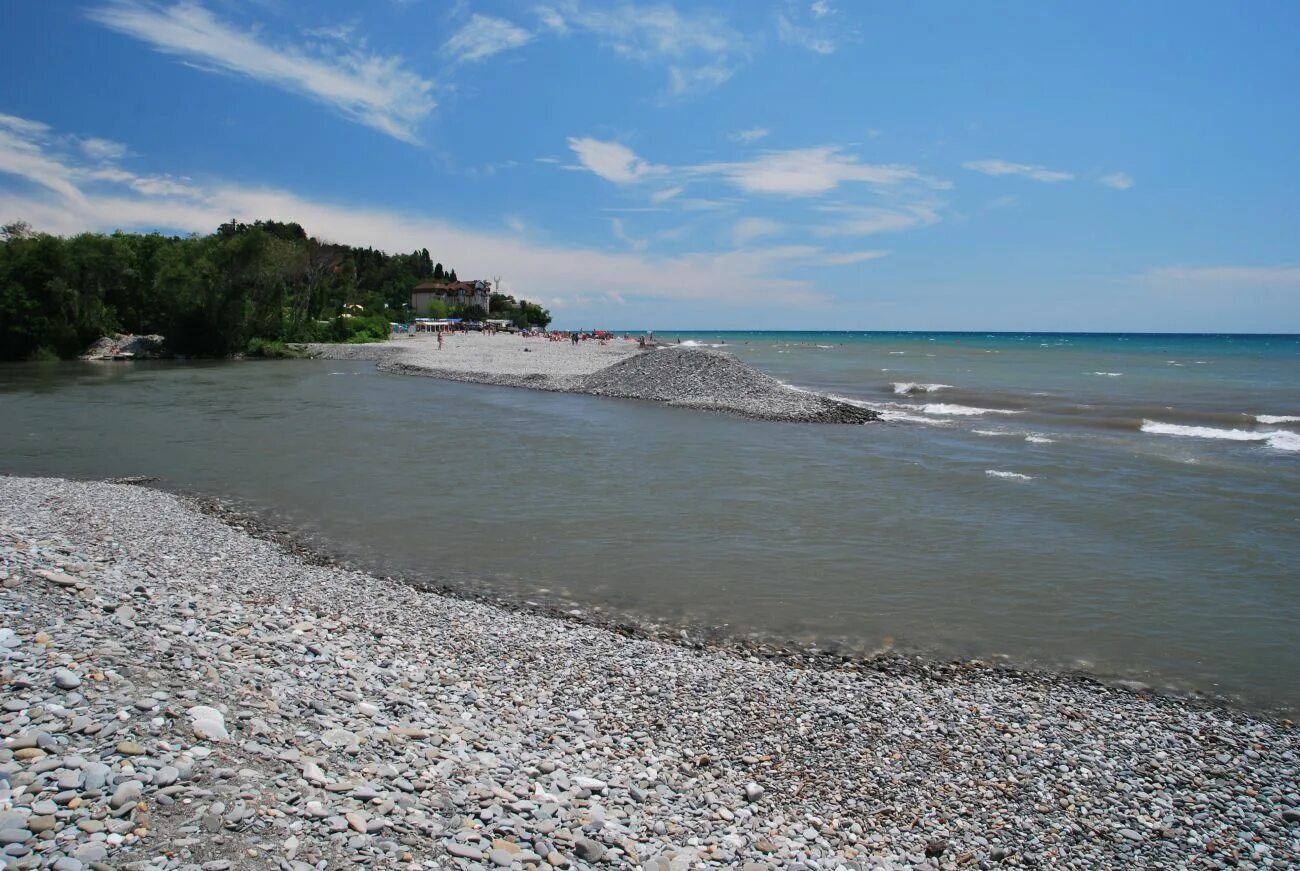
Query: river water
[1128, 505]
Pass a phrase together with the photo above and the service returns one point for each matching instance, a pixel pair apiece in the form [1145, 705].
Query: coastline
[680, 376]
[538, 732]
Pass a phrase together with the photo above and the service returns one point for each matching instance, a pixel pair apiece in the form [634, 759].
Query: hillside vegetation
[246, 287]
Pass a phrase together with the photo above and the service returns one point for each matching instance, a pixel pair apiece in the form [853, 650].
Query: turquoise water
[1143, 523]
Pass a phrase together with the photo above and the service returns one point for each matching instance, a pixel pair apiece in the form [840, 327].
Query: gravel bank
[180, 694]
[685, 377]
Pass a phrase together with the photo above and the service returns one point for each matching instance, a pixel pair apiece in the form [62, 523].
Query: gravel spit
[686, 377]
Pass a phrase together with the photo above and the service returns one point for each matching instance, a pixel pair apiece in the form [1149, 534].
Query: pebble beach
[181, 692]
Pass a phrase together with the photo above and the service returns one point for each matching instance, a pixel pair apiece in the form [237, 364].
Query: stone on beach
[270, 711]
[208, 723]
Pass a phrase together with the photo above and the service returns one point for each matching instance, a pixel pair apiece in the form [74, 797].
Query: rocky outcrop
[125, 345]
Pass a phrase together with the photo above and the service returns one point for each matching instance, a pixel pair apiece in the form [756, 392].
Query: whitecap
[1109, 374]
[992, 432]
[1277, 418]
[896, 353]
[1014, 476]
[1037, 439]
[1277, 439]
[961, 410]
[902, 388]
[888, 411]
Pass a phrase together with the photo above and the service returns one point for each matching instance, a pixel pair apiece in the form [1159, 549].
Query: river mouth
[850, 540]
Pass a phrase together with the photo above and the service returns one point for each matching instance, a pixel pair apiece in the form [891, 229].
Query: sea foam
[1277, 439]
[963, 410]
[902, 388]
[1014, 476]
[1277, 418]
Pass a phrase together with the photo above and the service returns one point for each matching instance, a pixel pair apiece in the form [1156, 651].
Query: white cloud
[805, 172]
[551, 19]
[375, 90]
[1120, 181]
[32, 151]
[22, 126]
[1226, 276]
[620, 232]
[483, 36]
[612, 161]
[684, 81]
[746, 230]
[702, 51]
[1026, 170]
[102, 149]
[799, 172]
[816, 28]
[753, 134]
[74, 199]
[869, 220]
[852, 257]
[648, 32]
[666, 194]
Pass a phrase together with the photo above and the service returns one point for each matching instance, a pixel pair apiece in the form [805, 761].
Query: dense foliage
[246, 287]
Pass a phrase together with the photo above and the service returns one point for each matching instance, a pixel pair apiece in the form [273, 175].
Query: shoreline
[679, 376]
[822, 656]
[523, 731]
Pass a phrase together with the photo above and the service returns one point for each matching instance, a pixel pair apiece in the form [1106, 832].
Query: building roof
[447, 287]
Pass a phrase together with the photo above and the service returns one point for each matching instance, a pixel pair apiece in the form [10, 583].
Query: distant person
[439, 340]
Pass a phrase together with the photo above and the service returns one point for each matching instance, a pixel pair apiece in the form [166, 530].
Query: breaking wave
[1277, 418]
[1277, 439]
[903, 388]
[1015, 476]
[962, 410]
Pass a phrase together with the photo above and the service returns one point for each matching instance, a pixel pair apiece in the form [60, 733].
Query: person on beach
[439, 340]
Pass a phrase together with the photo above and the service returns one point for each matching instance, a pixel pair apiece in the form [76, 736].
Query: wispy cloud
[1120, 181]
[806, 172]
[852, 257]
[800, 172]
[747, 230]
[612, 161]
[684, 81]
[814, 27]
[102, 149]
[376, 90]
[1025, 170]
[72, 195]
[620, 232]
[33, 152]
[663, 196]
[483, 36]
[751, 135]
[1225, 276]
[850, 220]
[699, 49]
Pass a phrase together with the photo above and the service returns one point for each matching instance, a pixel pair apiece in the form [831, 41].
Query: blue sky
[827, 164]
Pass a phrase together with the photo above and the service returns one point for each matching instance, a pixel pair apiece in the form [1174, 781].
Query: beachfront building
[477, 292]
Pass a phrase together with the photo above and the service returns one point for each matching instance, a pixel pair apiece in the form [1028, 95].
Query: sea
[1126, 506]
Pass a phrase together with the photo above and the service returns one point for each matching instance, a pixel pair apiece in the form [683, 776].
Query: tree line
[246, 287]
